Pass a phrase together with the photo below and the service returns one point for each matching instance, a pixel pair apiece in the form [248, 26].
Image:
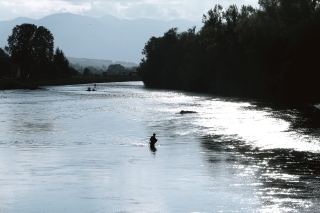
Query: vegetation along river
[63, 149]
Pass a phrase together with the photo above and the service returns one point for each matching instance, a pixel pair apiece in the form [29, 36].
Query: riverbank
[7, 84]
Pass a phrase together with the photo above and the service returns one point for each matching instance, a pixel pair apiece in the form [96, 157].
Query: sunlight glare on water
[63, 149]
[258, 127]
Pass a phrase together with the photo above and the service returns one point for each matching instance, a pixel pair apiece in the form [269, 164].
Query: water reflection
[304, 119]
[153, 149]
[285, 179]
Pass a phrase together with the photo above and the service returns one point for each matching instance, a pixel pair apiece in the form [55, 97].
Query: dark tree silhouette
[86, 72]
[62, 63]
[116, 69]
[31, 47]
[5, 62]
[271, 52]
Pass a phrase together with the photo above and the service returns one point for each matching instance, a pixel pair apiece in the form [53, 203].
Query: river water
[63, 149]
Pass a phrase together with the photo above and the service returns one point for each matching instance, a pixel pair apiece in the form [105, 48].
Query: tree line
[112, 69]
[32, 48]
[270, 52]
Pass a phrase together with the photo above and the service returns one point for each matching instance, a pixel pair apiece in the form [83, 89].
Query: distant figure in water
[153, 140]
[89, 89]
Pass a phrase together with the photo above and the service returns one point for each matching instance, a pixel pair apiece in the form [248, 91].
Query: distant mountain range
[107, 38]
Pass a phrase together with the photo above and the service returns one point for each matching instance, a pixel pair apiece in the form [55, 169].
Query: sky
[124, 9]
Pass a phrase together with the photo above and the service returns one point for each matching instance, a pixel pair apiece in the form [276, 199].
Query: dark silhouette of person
[153, 140]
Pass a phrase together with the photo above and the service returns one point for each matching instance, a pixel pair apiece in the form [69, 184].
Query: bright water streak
[63, 149]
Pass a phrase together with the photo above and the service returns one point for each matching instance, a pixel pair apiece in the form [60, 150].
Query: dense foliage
[61, 63]
[32, 48]
[116, 69]
[5, 62]
[87, 72]
[269, 52]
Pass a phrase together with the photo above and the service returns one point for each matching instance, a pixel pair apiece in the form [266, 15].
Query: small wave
[317, 106]
[140, 144]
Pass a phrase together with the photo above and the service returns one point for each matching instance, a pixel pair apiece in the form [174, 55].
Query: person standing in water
[153, 140]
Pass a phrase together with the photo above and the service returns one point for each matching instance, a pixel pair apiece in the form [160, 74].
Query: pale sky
[128, 9]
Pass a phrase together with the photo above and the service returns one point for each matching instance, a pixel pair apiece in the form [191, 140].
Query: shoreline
[32, 84]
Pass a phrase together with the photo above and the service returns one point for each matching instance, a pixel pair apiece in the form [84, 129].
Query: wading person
[153, 140]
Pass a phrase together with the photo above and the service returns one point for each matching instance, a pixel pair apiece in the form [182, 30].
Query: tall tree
[62, 63]
[5, 62]
[31, 47]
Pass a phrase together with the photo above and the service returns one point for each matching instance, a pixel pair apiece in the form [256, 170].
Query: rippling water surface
[63, 149]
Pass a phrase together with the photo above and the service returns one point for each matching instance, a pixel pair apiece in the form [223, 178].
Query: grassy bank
[6, 84]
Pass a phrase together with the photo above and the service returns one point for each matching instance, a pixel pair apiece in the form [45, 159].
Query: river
[63, 149]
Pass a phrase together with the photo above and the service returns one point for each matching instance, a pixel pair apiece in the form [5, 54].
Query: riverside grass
[7, 84]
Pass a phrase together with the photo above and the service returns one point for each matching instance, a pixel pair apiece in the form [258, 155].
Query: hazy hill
[107, 37]
[98, 63]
